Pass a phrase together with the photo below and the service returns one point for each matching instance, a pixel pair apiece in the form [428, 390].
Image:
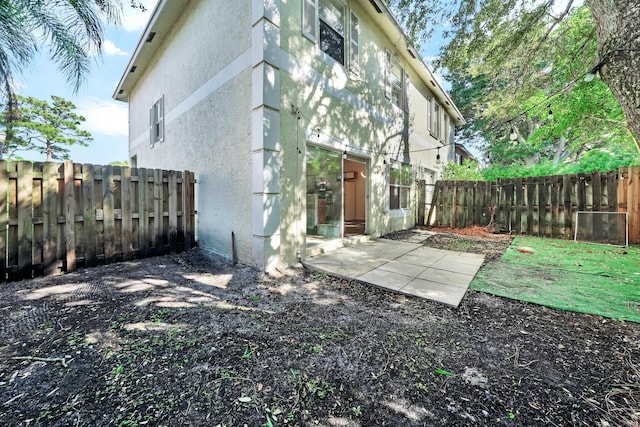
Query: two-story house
[299, 118]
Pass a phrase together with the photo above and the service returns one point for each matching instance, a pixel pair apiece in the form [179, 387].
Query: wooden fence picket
[542, 206]
[57, 216]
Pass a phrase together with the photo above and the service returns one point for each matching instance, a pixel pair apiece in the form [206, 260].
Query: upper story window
[157, 121]
[395, 81]
[446, 137]
[309, 24]
[325, 22]
[332, 29]
[430, 114]
[437, 132]
[354, 48]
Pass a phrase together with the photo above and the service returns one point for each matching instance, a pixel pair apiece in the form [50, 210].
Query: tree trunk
[557, 156]
[618, 23]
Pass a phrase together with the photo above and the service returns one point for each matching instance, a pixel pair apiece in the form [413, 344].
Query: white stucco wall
[203, 70]
[352, 113]
[231, 73]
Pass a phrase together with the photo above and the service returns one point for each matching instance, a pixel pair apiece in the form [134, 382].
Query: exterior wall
[204, 71]
[245, 94]
[347, 111]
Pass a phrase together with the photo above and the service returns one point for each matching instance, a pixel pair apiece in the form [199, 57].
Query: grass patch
[582, 277]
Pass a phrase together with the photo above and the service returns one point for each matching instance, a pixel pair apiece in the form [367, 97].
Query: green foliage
[602, 160]
[123, 163]
[467, 171]
[556, 116]
[46, 128]
[510, 64]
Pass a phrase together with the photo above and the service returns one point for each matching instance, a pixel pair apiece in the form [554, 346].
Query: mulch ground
[193, 340]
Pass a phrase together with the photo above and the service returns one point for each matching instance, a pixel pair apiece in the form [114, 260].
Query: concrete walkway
[408, 268]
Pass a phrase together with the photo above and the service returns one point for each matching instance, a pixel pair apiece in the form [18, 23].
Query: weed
[255, 298]
[357, 411]
[443, 372]
[47, 326]
[73, 339]
[44, 415]
[421, 387]
[158, 315]
[117, 370]
[247, 354]
[319, 388]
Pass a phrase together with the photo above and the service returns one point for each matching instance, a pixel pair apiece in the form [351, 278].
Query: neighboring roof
[460, 149]
[167, 12]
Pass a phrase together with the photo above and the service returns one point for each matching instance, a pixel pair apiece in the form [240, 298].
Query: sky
[107, 119]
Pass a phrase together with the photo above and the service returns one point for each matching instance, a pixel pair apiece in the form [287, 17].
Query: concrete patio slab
[446, 277]
[404, 267]
[385, 279]
[449, 295]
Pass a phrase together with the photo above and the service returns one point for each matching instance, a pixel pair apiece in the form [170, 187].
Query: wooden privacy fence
[540, 206]
[57, 216]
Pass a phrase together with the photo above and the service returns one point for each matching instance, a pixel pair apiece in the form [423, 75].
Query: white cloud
[136, 20]
[104, 117]
[110, 49]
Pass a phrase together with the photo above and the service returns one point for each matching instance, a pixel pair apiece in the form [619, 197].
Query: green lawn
[573, 276]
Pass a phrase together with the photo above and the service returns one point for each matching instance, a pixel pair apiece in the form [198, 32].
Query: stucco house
[299, 118]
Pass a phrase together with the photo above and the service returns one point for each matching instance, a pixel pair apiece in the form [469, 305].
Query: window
[325, 21]
[157, 121]
[354, 49]
[437, 128]
[309, 9]
[429, 115]
[395, 87]
[399, 185]
[447, 129]
[332, 29]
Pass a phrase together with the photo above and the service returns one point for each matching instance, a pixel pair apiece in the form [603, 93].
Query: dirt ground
[193, 340]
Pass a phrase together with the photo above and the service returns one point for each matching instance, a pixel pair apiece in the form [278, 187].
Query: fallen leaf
[244, 399]
[526, 250]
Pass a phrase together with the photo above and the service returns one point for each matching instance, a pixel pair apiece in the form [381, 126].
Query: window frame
[354, 43]
[437, 108]
[313, 19]
[401, 78]
[310, 28]
[402, 185]
[156, 122]
[330, 27]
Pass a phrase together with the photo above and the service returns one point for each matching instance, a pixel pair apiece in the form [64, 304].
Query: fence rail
[57, 216]
[539, 206]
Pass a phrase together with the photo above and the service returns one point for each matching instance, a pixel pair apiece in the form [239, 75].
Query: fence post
[127, 220]
[629, 199]
[422, 188]
[4, 219]
[89, 215]
[173, 211]
[157, 211]
[186, 209]
[69, 215]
